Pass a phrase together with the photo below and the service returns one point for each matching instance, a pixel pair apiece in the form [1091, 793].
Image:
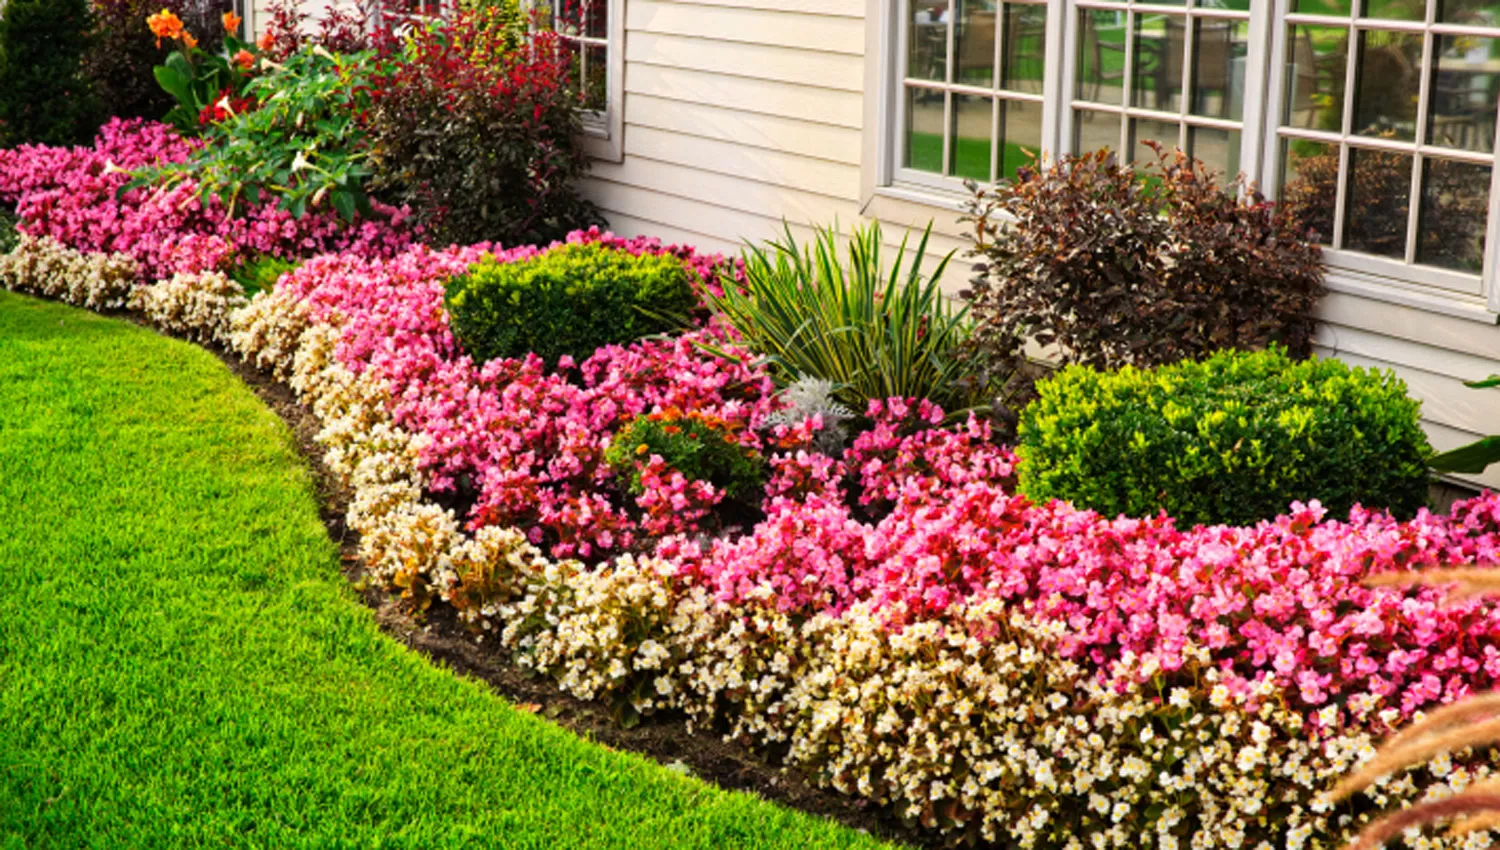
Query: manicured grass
[181, 664]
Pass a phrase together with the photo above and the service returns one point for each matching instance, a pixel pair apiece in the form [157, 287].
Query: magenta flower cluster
[73, 195]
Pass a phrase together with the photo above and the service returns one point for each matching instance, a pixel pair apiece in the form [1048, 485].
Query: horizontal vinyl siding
[738, 114]
[1433, 354]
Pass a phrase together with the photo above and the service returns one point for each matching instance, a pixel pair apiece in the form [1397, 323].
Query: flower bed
[896, 619]
[73, 196]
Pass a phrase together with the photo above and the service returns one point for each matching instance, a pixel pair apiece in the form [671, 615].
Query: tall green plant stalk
[818, 311]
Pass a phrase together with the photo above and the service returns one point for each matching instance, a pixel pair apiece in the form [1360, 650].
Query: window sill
[1394, 291]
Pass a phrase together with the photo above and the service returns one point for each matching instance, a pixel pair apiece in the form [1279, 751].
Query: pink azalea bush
[72, 195]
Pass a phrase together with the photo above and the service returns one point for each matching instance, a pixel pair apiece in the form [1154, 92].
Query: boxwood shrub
[571, 299]
[1231, 439]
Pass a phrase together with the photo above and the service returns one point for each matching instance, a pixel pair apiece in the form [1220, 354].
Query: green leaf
[1470, 459]
[174, 82]
[344, 203]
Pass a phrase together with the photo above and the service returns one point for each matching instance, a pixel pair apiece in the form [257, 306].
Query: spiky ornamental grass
[877, 330]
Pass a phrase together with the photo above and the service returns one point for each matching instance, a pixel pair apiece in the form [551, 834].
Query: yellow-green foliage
[1232, 439]
[572, 299]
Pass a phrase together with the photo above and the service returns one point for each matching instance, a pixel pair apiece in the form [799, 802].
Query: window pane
[1399, 10]
[927, 42]
[973, 127]
[568, 18]
[1388, 81]
[1218, 84]
[1310, 184]
[1142, 131]
[595, 77]
[1021, 128]
[1219, 149]
[1322, 7]
[1315, 77]
[1024, 48]
[1462, 97]
[1101, 56]
[924, 130]
[596, 19]
[1160, 42]
[1376, 211]
[1095, 130]
[1479, 13]
[1455, 208]
[974, 44]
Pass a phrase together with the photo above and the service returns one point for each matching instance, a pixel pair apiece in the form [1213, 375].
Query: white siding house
[724, 117]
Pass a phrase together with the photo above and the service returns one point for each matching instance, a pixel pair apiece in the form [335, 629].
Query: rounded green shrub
[1232, 439]
[571, 299]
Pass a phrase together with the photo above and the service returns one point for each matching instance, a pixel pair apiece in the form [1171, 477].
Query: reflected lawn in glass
[926, 154]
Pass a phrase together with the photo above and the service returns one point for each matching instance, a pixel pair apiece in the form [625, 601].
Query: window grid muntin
[577, 35]
[1189, 13]
[1264, 93]
[1419, 149]
[949, 88]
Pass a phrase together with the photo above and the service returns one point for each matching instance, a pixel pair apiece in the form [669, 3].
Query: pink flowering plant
[883, 610]
[79, 197]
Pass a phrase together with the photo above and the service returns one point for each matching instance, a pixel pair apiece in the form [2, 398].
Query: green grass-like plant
[819, 311]
[182, 663]
[571, 299]
[1231, 439]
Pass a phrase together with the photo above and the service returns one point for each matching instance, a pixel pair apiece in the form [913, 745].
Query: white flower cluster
[972, 725]
[44, 266]
[195, 305]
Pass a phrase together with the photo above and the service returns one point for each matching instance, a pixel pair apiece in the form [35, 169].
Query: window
[1387, 128]
[1379, 116]
[595, 29]
[1175, 77]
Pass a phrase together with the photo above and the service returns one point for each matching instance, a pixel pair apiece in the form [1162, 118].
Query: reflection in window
[1455, 208]
[1464, 87]
[1389, 81]
[1310, 185]
[1376, 215]
[975, 111]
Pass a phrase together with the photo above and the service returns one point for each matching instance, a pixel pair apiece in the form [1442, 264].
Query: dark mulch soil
[440, 636]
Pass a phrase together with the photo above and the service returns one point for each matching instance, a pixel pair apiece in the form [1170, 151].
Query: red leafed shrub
[474, 124]
[1118, 266]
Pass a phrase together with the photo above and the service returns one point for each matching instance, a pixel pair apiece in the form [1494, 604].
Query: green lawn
[971, 156]
[181, 664]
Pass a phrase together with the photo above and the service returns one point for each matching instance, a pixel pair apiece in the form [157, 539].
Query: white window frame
[604, 130]
[1425, 287]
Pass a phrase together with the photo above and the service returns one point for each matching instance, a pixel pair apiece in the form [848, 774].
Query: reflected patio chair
[1097, 49]
[975, 40]
[1213, 65]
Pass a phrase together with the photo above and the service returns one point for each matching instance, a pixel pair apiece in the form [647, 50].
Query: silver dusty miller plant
[809, 396]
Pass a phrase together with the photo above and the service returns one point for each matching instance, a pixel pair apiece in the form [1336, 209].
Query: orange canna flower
[188, 41]
[245, 59]
[266, 41]
[231, 23]
[164, 24]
